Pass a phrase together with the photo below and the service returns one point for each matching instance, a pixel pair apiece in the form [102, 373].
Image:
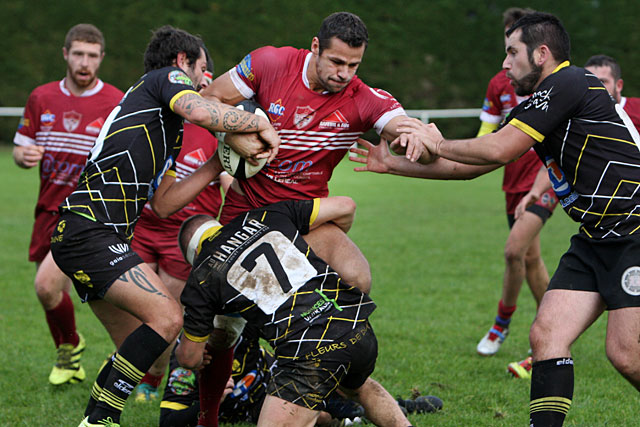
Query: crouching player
[259, 266]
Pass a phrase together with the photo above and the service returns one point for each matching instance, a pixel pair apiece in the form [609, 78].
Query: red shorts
[548, 201]
[41, 235]
[157, 242]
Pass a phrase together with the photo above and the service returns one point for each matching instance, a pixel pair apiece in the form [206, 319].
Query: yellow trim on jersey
[146, 131]
[208, 233]
[80, 213]
[584, 146]
[314, 212]
[561, 66]
[486, 128]
[597, 88]
[165, 404]
[527, 129]
[264, 215]
[170, 173]
[179, 95]
[195, 338]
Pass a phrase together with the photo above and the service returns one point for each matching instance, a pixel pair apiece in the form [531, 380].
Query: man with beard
[60, 124]
[590, 148]
[608, 71]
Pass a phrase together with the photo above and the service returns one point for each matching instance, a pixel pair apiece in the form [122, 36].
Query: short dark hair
[540, 28]
[605, 61]
[166, 43]
[87, 33]
[511, 15]
[346, 26]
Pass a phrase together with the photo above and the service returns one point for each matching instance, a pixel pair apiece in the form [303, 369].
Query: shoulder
[272, 54]
[500, 79]
[111, 90]
[51, 88]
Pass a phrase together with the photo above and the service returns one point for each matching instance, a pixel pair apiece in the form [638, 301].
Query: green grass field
[435, 250]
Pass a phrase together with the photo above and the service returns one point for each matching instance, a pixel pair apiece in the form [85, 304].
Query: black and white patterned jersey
[259, 265]
[590, 148]
[136, 147]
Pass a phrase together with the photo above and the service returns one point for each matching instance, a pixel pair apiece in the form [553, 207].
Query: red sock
[152, 380]
[62, 322]
[505, 313]
[212, 380]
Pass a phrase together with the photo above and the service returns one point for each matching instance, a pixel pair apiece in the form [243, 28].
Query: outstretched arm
[378, 158]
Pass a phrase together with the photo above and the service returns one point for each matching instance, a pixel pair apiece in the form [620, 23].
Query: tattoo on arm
[138, 278]
[232, 120]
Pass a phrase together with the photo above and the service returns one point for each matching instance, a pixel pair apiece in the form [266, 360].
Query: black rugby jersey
[590, 148]
[258, 265]
[137, 144]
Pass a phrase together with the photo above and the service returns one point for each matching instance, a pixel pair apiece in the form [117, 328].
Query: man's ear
[315, 46]
[619, 85]
[541, 55]
[181, 60]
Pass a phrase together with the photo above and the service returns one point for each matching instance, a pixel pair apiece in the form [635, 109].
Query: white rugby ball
[231, 161]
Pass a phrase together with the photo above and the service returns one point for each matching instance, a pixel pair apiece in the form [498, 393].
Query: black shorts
[309, 380]
[608, 266]
[91, 254]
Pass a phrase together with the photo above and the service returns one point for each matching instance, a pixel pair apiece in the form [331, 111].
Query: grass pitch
[435, 250]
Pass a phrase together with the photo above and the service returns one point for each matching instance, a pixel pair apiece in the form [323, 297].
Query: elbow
[161, 211]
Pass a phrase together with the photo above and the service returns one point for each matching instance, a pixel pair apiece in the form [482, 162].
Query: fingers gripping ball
[232, 162]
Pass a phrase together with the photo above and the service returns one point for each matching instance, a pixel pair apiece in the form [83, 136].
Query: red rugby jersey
[632, 108]
[67, 126]
[316, 129]
[498, 103]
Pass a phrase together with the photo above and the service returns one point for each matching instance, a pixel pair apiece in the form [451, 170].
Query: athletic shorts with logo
[91, 254]
[608, 266]
[543, 207]
[309, 380]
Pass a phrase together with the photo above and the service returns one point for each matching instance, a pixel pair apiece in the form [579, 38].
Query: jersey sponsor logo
[179, 77]
[47, 119]
[335, 120]
[276, 110]
[540, 100]
[24, 122]
[244, 68]
[153, 185]
[291, 166]
[95, 126]
[486, 105]
[83, 278]
[71, 120]
[119, 248]
[558, 180]
[243, 386]
[62, 170]
[630, 281]
[303, 116]
[195, 158]
[505, 98]
[182, 381]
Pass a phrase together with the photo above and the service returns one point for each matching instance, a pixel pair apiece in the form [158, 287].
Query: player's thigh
[50, 278]
[141, 293]
[175, 285]
[563, 315]
[523, 233]
[278, 412]
[623, 330]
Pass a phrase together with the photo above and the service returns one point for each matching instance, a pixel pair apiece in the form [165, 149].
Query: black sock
[551, 391]
[96, 390]
[136, 355]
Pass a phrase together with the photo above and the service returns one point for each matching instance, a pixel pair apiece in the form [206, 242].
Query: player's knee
[624, 359]
[168, 320]
[48, 291]
[514, 253]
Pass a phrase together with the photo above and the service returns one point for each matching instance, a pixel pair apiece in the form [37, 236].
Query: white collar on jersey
[623, 101]
[97, 88]
[305, 80]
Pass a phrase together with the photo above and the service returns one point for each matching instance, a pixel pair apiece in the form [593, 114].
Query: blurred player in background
[608, 71]
[60, 124]
[522, 249]
[156, 239]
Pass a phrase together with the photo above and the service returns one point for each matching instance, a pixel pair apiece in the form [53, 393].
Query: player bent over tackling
[259, 266]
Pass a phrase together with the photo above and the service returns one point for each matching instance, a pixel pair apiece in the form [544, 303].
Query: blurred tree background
[429, 54]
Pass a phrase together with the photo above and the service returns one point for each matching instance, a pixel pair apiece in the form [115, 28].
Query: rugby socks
[152, 380]
[96, 390]
[62, 322]
[503, 319]
[134, 357]
[212, 380]
[551, 392]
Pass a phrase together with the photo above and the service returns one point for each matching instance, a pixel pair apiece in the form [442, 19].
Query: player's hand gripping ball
[231, 161]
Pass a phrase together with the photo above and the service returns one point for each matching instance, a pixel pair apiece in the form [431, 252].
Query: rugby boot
[491, 342]
[67, 368]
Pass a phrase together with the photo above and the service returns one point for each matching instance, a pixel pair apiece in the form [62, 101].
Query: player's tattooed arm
[215, 116]
[137, 277]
